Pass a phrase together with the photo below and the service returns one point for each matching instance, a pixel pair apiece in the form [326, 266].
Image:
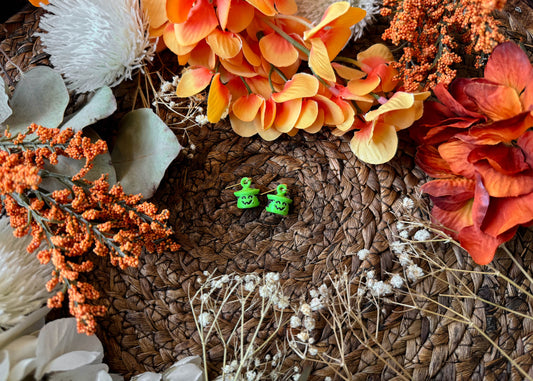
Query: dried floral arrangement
[271, 72]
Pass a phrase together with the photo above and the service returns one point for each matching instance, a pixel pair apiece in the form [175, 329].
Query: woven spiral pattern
[340, 205]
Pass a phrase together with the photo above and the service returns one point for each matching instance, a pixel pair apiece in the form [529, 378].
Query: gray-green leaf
[40, 97]
[5, 110]
[144, 148]
[100, 106]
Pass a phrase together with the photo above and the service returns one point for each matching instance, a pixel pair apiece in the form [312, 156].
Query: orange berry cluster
[431, 32]
[85, 217]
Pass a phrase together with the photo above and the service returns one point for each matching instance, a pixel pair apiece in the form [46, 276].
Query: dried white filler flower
[95, 43]
[22, 278]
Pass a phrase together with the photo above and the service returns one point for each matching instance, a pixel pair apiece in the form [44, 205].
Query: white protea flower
[314, 9]
[95, 43]
[22, 278]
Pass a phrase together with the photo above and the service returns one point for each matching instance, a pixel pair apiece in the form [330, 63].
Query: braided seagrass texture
[455, 323]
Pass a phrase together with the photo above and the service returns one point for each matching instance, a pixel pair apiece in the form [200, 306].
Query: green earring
[279, 204]
[246, 197]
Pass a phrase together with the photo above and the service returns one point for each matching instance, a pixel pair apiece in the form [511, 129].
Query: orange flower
[376, 141]
[482, 153]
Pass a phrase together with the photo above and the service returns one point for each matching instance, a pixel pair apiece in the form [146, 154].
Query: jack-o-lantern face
[278, 207]
[247, 201]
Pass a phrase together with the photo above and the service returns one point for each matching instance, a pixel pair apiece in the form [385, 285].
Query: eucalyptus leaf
[72, 360]
[22, 369]
[4, 365]
[69, 167]
[40, 97]
[144, 148]
[94, 372]
[100, 106]
[5, 110]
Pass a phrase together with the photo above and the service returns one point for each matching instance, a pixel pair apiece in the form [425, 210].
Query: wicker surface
[340, 205]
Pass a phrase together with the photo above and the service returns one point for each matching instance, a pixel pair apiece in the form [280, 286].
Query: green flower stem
[282, 33]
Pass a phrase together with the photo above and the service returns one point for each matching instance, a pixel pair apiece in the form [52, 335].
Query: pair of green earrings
[247, 198]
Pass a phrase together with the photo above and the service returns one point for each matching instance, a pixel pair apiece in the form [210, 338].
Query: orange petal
[246, 108]
[428, 158]
[361, 87]
[308, 114]
[287, 114]
[264, 6]
[251, 56]
[286, 7]
[238, 66]
[508, 65]
[375, 144]
[37, 3]
[223, 7]
[507, 213]
[338, 14]
[346, 72]
[301, 85]
[193, 81]
[226, 45]
[240, 17]
[242, 128]
[333, 113]
[500, 185]
[450, 194]
[454, 220]
[505, 130]
[335, 39]
[178, 11]
[267, 114]
[375, 55]
[497, 102]
[218, 100]
[169, 36]
[202, 20]
[269, 134]
[155, 11]
[455, 153]
[278, 51]
[399, 101]
[349, 115]
[202, 55]
[319, 60]
[479, 245]
[260, 86]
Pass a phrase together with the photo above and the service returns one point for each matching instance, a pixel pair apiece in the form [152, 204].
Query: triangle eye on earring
[247, 197]
[278, 203]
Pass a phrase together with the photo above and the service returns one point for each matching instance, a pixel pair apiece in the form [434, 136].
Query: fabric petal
[286, 7]
[346, 72]
[333, 113]
[169, 37]
[375, 144]
[201, 21]
[361, 87]
[240, 17]
[450, 194]
[177, 11]
[501, 131]
[453, 221]
[226, 45]
[193, 81]
[508, 65]
[500, 185]
[319, 61]
[242, 128]
[508, 213]
[308, 114]
[398, 101]
[497, 102]
[277, 50]
[479, 245]
[339, 14]
[218, 100]
[246, 108]
[155, 11]
[429, 159]
[301, 85]
[456, 152]
[287, 114]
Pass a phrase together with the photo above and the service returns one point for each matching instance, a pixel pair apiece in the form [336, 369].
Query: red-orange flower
[479, 146]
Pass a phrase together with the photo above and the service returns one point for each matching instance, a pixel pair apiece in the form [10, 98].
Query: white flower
[313, 293]
[272, 278]
[404, 234]
[95, 43]
[323, 290]
[205, 319]
[316, 304]
[380, 288]
[400, 226]
[363, 254]
[167, 87]
[22, 278]
[313, 351]
[309, 323]
[250, 375]
[407, 203]
[370, 274]
[414, 272]
[295, 321]
[405, 259]
[283, 302]
[397, 247]
[422, 235]
[396, 281]
[305, 309]
[249, 286]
